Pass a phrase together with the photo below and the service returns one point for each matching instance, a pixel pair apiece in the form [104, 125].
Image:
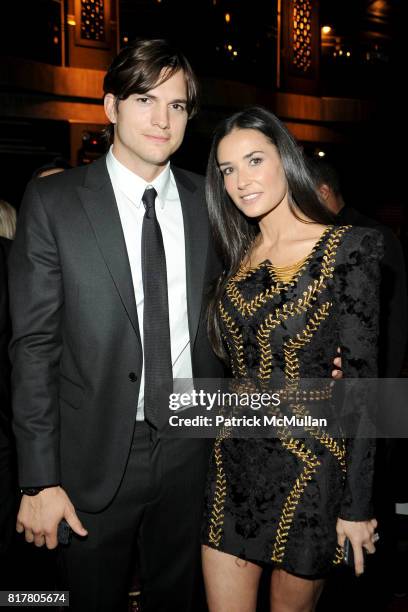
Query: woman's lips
[251, 197]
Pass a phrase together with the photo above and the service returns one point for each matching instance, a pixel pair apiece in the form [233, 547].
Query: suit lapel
[98, 199]
[196, 245]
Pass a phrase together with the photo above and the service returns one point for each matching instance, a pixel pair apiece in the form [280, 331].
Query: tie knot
[148, 199]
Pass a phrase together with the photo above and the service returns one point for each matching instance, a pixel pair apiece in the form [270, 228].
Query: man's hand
[361, 535]
[40, 515]
[337, 373]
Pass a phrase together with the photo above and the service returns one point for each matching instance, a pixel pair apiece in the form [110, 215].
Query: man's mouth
[157, 138]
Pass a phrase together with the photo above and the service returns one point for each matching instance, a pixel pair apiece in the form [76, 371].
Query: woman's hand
[361, 534]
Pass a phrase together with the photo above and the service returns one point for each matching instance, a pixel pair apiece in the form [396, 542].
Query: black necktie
[156, 329]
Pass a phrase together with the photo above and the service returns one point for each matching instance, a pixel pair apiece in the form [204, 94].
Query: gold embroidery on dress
[237, 341]
[339, 555]
[292, 376]
[220, 493]
[274, 319]
[291, 347]
[311, 462]
[248, 308]
[285, 274]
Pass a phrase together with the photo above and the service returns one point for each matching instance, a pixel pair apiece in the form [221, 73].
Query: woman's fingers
[369, 544]
[29, 536]
[358, 559]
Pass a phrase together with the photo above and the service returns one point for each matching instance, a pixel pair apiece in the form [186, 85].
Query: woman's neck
[281, 225]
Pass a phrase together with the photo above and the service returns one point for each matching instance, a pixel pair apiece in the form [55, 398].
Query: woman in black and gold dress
[294, 289]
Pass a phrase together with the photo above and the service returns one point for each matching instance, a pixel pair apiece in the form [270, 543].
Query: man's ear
[324, 191]
[109, 104]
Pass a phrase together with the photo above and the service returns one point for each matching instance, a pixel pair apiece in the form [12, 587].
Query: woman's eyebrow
[245, 157]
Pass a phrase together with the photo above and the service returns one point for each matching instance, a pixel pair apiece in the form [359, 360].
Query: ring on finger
[375, 537]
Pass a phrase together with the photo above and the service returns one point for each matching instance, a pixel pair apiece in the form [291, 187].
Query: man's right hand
[40, 515]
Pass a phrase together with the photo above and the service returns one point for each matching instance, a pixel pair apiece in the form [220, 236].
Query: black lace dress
[277, 500]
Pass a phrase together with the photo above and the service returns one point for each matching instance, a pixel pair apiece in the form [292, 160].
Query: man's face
[149, 127]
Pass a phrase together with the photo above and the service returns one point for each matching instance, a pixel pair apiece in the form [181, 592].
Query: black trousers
[156, 514]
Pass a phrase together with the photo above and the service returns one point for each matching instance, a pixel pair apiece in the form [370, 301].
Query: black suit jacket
[76, 345]
[5, 329]
[393, 295]
[7, 456]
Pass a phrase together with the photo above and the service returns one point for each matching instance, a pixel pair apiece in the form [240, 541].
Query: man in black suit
[393, 297]
[98, 332]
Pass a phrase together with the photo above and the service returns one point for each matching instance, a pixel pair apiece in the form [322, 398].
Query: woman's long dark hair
[233, 232]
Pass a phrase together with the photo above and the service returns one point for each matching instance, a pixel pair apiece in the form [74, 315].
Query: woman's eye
[254, 161]
[226, 171]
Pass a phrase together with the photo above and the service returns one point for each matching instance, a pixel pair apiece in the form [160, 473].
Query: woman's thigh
[291, 593]
[231, 583]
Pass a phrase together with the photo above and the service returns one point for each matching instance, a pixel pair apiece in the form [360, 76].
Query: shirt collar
[133, 186]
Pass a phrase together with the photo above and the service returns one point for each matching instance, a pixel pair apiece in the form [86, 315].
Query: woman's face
[252, 170]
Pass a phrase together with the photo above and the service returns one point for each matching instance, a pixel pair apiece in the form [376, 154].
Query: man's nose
[161, 117]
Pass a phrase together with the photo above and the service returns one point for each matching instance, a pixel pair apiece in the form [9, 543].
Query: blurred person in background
[393, 291]
[8, 220]
[7, 454]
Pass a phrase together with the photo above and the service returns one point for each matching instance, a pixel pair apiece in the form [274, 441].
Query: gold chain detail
[274, 319]
[237, 342]
[296, 447]
[292, 374]
[291, 347]
[338, 556]
[220, 493]
[329, 256]
[247, 309]
[319, 434]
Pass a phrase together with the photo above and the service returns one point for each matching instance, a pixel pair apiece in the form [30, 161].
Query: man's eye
[178, 107]
[143, 100]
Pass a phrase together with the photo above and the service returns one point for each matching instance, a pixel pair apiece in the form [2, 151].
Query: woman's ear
[324, 191]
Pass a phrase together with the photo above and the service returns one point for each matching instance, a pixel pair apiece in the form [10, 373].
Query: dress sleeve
[357, 282]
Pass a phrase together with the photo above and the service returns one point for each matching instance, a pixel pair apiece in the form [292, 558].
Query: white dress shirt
[129, 189]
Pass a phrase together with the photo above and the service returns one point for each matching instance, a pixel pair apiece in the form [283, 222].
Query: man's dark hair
[139, 67]
[324, 173]
[57, 162]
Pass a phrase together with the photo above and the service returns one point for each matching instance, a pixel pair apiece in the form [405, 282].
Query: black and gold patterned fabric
[277, 500]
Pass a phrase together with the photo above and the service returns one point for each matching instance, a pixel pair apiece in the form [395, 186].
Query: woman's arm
[357, 282]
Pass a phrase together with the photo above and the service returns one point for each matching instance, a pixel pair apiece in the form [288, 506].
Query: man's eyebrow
[152, 97]
[245, 157]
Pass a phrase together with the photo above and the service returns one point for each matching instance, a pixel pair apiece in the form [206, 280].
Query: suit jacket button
[132, 376]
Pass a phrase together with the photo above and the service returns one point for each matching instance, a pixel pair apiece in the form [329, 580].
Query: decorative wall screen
[92, 23]
[302, 35]
[300, 46]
